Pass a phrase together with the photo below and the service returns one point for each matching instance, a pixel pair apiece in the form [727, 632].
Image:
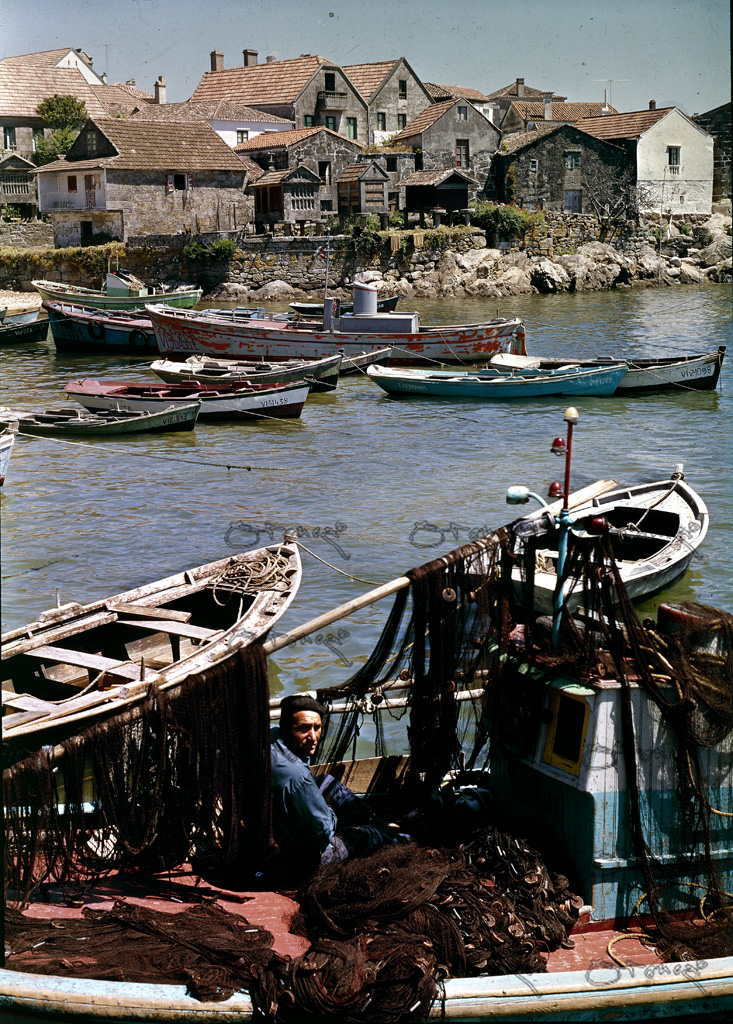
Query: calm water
[376, 485]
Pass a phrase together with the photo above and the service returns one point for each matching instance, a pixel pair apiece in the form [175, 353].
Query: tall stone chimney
[547, 106]
[217, 60]
[520, 88]
[249, 58]
[652, 104]
[160, 90]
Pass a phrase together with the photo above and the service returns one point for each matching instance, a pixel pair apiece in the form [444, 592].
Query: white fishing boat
[122, 290]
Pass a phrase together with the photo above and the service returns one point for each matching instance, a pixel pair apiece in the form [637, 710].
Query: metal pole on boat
[560, 447]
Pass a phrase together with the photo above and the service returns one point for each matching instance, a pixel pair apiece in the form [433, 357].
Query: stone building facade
[394, 95]
[717, 123]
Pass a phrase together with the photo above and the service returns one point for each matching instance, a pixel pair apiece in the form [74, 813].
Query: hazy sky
[676, 52]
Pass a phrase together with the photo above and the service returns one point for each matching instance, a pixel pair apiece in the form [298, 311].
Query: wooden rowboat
[7, 440]
[121, 291]
[75, 423]
[321, 374]
[77, 663]
[492, 385]
[23, 327]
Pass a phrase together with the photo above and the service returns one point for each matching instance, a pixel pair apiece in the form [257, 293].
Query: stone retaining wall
[33, 234]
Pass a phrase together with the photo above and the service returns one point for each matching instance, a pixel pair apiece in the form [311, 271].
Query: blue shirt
[302, 821]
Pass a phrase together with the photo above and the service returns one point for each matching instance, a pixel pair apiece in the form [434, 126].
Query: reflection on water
[374, 485]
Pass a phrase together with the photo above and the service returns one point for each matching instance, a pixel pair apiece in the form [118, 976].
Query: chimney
[547, 106]
[520, 88]
[249, 58]
[103, 76]
[652, 104]
[271, 58]
[160, 90]
[217, 60]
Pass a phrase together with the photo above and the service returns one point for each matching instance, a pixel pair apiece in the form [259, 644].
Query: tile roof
[47, 58]
[200, 110]
[115, 100]
[517, 140]
[435, 177]
[23, 86]
[149, 145]
[529, 93]
[281, 140]
[366, 78]
[277, 82]
[568, 112]
[623, 126]
[444, 92]
[133, 90]
[355, 171]
[425, 119]
[254, 171]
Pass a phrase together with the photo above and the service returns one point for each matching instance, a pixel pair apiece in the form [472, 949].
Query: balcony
[51, 201]
[335, 101]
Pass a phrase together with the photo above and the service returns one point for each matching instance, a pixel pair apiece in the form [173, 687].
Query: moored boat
[218, 401]
[23, 327]
[7, 440]
[82, 328]
[18, 316]
[121, 291]
[497, 385]
[106, 423]
[320, 374]
[314, 310]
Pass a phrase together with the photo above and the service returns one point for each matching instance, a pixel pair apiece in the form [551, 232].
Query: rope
[250, 576]
[620, 938]
[358, 579]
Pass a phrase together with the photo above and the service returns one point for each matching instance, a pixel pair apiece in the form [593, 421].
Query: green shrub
[397, 219]
[372, 223]
[684, 229]
[220, 251]
[505, 221]
[367, 245]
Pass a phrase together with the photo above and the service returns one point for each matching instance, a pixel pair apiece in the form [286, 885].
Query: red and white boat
[260, 336]
[218, 401]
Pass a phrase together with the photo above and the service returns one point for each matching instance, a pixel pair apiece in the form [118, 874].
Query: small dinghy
[489, 385]
[25, 325]
[321, 374]
[78, 423]
[77, 663]
[121, 290]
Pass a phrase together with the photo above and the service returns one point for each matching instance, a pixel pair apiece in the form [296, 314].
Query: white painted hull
[6, 446]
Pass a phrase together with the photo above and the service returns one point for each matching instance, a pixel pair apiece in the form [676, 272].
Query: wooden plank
[24, 702]
[95, 662]
[49, 635]
[150, 612]
[173, 628]
[368, 774]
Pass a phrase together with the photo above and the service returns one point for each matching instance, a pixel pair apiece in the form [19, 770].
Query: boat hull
[179, 333]
[77, 328]
[597, 381]
[15, 334]
[322, 374]
[7, 440]
[109, 425]
[315, 309]
[51, 291]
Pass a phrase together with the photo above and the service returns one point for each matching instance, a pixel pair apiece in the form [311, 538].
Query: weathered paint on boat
[54, 291]
[182, 332]
[7, 440]
[601, 380]
[75, 423]
[27, 330]
[80, 328]
[321, 374]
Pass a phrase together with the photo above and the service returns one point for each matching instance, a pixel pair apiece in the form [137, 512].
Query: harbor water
[373, 485]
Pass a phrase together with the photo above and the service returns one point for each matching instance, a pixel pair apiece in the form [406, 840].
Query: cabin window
[381, 121]
[324, 171]
[350, 127]
[402, 89]
[330, 122]
[566, 732]
[462, 154]
[242, 136]
[533, 165]
[572, 161]
[673, 159]
[308, 121]
[462, 113]
[71, 183]
[8, 138]
[401, 121]
[329, 79]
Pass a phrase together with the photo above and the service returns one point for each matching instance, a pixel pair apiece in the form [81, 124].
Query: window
[566, 733]
[327, 205]
[350, 127]
[401, 121]
[533, 165]
[308, 121]
[37, 136]
[572, 161]
[673, 159]
[242, 136]
[91, 142]
[8, 138]
[391, 163]
[573, 201]
[381, 122]
[330, 122]
[462, 113]
[324, 171]
[330, 81]
[71, 183]
[178, 183]
[462, 155]
[402, 89]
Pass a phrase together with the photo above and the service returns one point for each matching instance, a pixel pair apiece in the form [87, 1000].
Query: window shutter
[168, 184]
[189, 178]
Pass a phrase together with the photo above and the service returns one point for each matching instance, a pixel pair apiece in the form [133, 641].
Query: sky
[676, 52]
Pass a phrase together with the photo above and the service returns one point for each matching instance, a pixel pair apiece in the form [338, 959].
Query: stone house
[440, 93]
[232, 122]
[717, 123]
[453, 134]
[394, 96]
[124, 178]
[561, 168]
[363, 188]
[501, 99]
[17, 185]
[522, 114]
[309, 91]
[673, 157]
[322, 151]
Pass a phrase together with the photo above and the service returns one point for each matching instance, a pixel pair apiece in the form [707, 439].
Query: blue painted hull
[597, 381]
[79, 329]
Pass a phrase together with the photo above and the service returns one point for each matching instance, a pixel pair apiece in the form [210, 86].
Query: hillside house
[65, 57]
[124, 178]
[393, 93]
[672, 155]
[501, 99]
[562, 168]
[309, 91]
[440, 93]
[232, 122]
[322, 151]
[453, 134]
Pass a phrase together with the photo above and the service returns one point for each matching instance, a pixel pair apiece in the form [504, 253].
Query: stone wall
[717, 123]
[31, 234]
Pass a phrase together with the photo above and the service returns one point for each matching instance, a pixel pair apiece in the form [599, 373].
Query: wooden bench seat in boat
[147, 611]
[93, 662]
[175, 630]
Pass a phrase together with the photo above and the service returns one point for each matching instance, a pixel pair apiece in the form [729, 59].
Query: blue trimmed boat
[80, 328]
[490, 385]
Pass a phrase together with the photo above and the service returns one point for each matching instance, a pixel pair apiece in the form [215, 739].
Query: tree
[613, 192]
[65, 115]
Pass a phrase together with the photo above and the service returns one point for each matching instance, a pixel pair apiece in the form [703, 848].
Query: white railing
[674, 169]
[48, 201]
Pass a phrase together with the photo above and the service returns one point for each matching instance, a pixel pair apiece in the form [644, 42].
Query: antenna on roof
[610, 83]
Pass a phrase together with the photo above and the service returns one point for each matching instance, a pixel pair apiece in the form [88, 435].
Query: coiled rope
[250, 576]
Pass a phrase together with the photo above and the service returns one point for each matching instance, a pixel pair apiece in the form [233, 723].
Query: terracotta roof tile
[46, 58]
[139, 94]
[622, 126]
[281, 140]
[444, 92]
[425, 119]
[23, 86]
[435, 177]
[277, 82]
[149, 145]
[529, 93]
[517, 140]
[567, 112]
[193, 110]
[366, 78]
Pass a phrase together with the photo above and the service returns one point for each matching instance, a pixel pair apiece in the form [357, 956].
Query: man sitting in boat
[314, 824]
